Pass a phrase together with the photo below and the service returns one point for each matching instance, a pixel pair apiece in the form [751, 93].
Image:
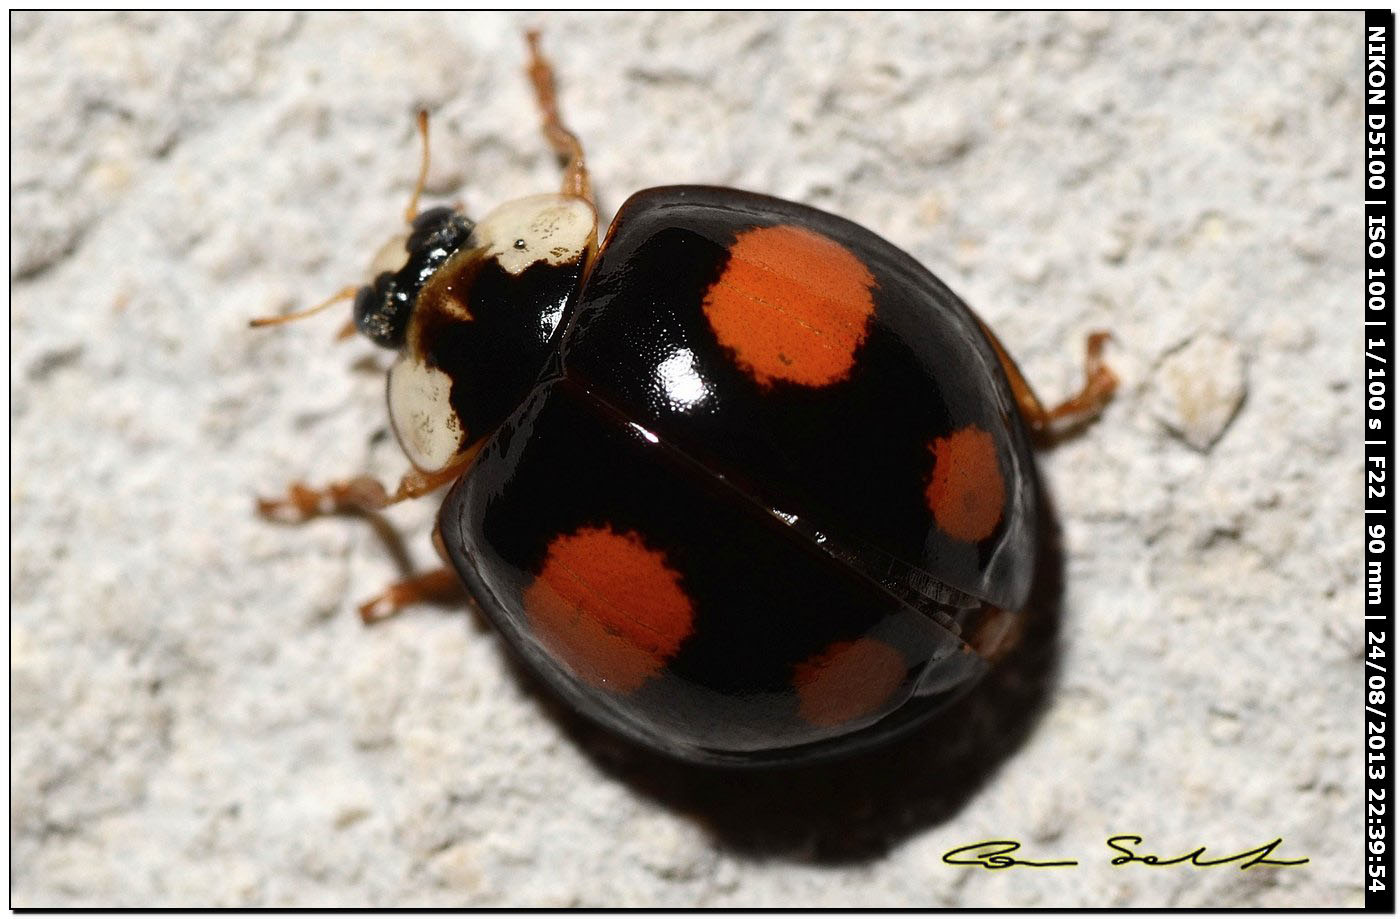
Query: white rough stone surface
[199, 718]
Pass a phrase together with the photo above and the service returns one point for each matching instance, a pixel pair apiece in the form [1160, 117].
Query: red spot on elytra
[791, 305]
[608, 607]
[967, 492]
[847, 680]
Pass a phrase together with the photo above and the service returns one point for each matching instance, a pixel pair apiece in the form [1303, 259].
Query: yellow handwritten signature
[994, 854]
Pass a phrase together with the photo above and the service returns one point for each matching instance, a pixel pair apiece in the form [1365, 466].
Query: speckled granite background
[198, 716]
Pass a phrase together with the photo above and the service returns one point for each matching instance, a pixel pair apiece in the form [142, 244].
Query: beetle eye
[381, 312]
[440, 227]
[431, 218]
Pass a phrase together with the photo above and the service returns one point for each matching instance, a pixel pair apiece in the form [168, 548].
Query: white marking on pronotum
[420, 408]
[556, 229]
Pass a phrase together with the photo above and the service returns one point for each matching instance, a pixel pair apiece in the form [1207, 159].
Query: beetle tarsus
[359, 495]
[302, 502]
[1085, 405]
[1050, 425]
[441, 586]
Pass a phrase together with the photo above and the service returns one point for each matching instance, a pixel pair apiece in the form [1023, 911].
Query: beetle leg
[1078, 409]
[441, 586]
[1099, 384]
[565, 143]
[361, 494]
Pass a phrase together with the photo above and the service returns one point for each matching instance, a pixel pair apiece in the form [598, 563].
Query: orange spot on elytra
[967, 493]
[848, 680]
[608, 607]
[791, 305]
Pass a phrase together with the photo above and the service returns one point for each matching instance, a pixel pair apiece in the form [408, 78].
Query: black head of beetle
[382, 307]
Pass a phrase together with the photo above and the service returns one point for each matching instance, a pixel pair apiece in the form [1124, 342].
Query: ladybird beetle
[745, 483]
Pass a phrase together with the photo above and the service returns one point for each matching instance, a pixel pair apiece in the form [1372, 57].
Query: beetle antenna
[346, 293]
[412, 210]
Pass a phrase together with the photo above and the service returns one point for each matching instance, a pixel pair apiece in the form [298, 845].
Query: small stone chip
[1198, 389]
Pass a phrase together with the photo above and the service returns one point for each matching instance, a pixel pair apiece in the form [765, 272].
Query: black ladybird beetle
[745, 483]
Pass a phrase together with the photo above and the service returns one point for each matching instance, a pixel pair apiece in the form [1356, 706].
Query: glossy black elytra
[745, 484]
